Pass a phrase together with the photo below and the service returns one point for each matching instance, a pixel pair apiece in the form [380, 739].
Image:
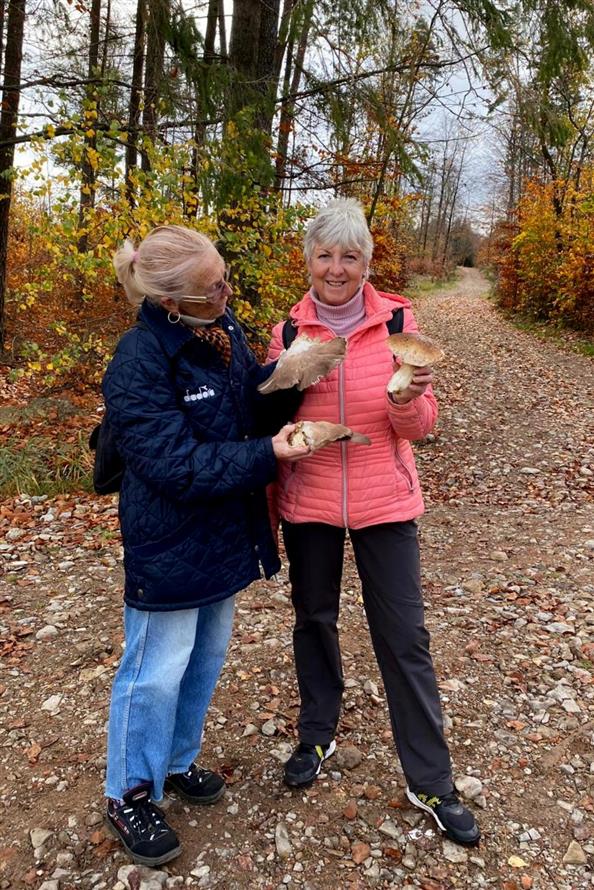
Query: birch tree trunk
[8, 122]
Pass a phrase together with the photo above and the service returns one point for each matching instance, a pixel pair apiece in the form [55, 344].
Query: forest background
[464, 126]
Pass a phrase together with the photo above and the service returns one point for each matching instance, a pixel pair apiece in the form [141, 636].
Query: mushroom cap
[317, 433]
[304, 363]
[415, 349]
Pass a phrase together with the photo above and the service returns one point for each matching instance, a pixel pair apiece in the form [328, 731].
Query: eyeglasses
[216, 291]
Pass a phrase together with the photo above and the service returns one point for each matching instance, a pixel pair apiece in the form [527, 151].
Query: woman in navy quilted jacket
[199, 446]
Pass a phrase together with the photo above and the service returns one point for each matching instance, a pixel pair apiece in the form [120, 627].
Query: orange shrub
[545, 264]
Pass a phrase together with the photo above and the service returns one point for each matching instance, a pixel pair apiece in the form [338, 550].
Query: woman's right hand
[282, 449]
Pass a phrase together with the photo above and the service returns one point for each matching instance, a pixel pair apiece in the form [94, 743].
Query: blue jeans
[161, 692]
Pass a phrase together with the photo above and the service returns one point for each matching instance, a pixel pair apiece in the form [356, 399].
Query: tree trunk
[211, 30]
[157, 22]
[104, 55]
[290, 87]
[2, 17]
[222, 29]
[243, 53]
[87, 189]
[135, 98]
[191, 208]
[266, 66]
[8, 121]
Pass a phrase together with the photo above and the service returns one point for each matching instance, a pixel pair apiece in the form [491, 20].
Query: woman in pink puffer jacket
[373, 492]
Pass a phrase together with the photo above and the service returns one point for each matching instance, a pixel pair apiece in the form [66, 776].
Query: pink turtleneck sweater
[341, 319]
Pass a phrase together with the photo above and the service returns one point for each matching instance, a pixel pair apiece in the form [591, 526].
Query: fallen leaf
[33, 753]
[517, 862]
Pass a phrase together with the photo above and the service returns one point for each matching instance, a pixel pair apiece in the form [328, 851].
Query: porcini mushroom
[415, 351]
[304, 363]
[314, 434]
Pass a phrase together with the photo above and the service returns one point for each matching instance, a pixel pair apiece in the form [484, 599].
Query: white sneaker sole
[329, 753]
[470, 842]
[423, 806]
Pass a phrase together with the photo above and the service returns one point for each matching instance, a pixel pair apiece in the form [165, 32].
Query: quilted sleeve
[157, 443]
[271, 411]
[417, 418]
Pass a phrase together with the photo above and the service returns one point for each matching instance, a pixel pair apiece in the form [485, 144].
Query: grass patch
[422, 285]
[553, 332]
[41, 465]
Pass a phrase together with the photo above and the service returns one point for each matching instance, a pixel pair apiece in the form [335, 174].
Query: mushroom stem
[401, 379]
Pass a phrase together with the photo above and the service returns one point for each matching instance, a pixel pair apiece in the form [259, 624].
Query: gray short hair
[341, 222]
[165, 264]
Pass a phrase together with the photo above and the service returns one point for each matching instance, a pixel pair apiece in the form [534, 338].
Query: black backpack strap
[289, 332]
[396, 323]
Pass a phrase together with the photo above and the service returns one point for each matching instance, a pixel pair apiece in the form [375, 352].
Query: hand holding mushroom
[417, 353]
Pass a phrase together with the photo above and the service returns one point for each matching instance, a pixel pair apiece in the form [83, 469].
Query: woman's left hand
[422, 378]
[283, 450]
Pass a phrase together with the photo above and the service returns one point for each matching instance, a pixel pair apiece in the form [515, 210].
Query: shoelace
[196, 772]
[146, 817]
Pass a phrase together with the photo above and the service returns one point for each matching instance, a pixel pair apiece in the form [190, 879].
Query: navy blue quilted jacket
[191, 431]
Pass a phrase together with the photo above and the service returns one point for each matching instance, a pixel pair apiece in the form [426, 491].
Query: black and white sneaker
[142, 828]
[305, 763]
[196, 785]
[452, 817]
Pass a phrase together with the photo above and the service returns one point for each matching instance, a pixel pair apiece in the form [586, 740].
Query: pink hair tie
[134, 256]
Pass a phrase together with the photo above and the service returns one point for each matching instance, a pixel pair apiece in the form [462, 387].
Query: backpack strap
[396, 323]
[289, 332]
[394, 326]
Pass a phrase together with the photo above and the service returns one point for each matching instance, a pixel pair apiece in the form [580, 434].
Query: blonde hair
[165, 263]
[341, 223]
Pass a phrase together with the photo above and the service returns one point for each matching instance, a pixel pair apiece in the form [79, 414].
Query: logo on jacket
[204, 392]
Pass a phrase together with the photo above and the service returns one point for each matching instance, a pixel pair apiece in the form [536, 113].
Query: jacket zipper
[343, 451]
[407, 475]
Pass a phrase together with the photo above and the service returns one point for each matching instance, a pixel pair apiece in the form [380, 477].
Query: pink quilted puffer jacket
[356, 485]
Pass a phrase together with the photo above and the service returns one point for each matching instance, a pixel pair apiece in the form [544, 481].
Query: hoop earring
[171, 319]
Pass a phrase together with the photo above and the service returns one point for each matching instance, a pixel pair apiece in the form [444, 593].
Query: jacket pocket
[290, 479]
[162, 545]
[403, 470]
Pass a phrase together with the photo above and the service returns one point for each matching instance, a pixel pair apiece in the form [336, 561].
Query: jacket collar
[172, 337]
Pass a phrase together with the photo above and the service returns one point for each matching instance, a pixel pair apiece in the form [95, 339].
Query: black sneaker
[197, 785]
[453, 818]
[141, 827]
[305, 763]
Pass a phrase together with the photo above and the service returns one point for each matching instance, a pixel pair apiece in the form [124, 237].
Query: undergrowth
[41, 465]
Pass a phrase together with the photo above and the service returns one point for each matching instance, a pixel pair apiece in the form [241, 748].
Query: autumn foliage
[65, 308]
[545, 261]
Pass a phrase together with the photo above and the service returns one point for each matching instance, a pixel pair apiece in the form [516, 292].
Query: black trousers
[387, 558]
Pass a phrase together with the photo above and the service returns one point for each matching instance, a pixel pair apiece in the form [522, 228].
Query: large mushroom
[414, 351]
[314, 434]
[305, 362]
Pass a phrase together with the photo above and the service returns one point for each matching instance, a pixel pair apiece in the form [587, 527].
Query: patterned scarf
[218, 339]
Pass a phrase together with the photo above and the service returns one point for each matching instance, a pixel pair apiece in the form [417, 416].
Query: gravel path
[508, 552]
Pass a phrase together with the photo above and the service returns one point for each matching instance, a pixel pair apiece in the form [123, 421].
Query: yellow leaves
[517, 862]
[50, 131]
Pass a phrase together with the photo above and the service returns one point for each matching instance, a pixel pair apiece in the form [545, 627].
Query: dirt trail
[508, 556]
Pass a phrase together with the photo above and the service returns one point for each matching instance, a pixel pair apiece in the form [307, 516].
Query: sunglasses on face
[212, 295]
